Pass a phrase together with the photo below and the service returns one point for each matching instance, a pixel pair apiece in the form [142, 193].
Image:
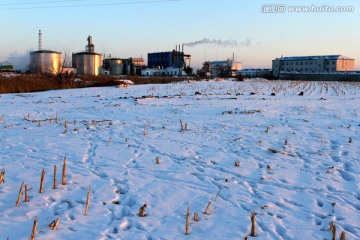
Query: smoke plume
[19, 61]
[246, 43]
[219, 42]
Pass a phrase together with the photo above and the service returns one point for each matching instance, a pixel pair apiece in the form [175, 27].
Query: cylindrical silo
[87, 63]
[132, 69]
[45, 61]
[116, 67]
[126, 68]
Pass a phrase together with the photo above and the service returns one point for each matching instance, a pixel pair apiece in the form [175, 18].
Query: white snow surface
[291, 186]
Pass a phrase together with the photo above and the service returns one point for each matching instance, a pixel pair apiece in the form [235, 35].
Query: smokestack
[179, 60]
[182, 56]
[40, 41]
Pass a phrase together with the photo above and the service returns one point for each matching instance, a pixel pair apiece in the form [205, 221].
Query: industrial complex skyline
[255, 31]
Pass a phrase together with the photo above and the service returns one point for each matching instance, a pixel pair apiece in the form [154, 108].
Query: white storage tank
[87, 63]
[45, 61]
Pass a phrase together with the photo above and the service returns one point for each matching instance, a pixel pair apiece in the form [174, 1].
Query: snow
[125, 81]
[297, 154]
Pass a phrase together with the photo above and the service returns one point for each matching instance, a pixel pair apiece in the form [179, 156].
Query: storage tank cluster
[50, 62]
[87, 62]
[118, 66]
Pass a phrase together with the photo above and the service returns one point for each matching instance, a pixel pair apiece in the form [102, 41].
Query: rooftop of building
[138, 59]
[327, 57]
[46, 51]
[254, 69]
[167, 52]
[214, 63]
[87, 53]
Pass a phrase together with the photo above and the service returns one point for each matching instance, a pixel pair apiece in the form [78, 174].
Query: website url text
[283, 8]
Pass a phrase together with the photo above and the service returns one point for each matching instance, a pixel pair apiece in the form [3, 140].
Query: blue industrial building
[174, 59]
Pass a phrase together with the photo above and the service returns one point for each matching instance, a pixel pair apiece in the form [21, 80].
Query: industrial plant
[178, 63]
[89, 62]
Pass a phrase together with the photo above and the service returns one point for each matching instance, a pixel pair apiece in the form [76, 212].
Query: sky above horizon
[251, 30]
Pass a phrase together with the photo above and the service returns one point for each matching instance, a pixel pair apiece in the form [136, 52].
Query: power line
[89, 5]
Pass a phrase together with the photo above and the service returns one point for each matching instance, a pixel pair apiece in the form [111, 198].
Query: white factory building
[170, 71]
[312, 64]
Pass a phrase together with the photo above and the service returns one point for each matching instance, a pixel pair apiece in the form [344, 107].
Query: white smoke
[246, 43]
[19, 61]
[219, 42]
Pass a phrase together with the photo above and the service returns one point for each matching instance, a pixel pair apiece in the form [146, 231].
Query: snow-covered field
[298, 155]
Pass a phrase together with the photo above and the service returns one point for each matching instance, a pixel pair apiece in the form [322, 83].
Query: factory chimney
[40, 41]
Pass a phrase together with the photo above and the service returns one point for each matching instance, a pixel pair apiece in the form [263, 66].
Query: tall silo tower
[45, 61]
[87, 62]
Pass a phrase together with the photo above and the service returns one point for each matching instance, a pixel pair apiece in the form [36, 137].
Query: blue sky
[130, 28]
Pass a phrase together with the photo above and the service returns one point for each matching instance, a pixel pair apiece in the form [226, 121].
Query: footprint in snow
[347, 176]
[319, 203]
[72, 229]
